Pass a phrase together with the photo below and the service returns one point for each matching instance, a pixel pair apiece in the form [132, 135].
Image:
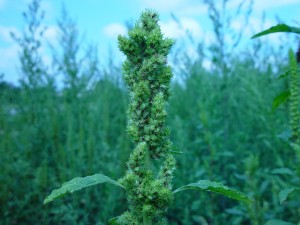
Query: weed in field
[292, 95]
[149, 190]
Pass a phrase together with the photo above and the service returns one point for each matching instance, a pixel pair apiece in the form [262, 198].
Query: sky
[100, 22]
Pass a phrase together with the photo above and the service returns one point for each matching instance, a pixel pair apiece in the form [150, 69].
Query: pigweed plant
[292, 96]
[148, 179]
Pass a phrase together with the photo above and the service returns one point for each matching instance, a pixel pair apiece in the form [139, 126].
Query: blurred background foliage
[221, 120]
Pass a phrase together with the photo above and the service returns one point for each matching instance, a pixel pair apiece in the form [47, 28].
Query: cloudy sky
[101, 21]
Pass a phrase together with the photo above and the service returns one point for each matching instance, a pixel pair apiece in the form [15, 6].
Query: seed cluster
[294, 82]
[148, 78]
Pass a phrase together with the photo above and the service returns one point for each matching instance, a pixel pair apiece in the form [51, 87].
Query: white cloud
[45, 6]
[9, 62]
[197, 9]
[162, 5]
[5, 33]
[51, 34]
[171, 29]
[192, 26]
[255, 25]
[114, 29]
[262, 5]
[207, 64]
[10, 52]
[265, 5]
[178, 30]
[178, 7]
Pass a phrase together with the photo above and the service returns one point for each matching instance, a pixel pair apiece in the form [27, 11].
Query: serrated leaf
[79, 183]
[278, 222]
[280, 99]
[284, 194]
[278, 28]
[215, 187]
[284, 171]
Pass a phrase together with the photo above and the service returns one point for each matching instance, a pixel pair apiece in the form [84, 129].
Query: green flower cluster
[148, 77]
[294, 116]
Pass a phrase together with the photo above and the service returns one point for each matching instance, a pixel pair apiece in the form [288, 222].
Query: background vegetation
[221, 120]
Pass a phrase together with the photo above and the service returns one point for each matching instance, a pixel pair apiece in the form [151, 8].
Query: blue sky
[101, 22]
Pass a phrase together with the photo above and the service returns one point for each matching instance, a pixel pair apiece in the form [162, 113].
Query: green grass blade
[215, 187]
[113, 221]
[278, 222]
[278, 28]
[79, 183]
[280, 99]
[283, 171]
[284, 194]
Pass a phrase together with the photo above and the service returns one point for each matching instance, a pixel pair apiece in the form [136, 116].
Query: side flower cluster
[294, 82]
[148, 78]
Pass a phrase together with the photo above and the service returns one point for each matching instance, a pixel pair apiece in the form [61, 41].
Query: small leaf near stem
[278, 28]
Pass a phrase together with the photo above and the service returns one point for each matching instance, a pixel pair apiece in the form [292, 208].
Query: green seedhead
[294, 84]
[148, 77]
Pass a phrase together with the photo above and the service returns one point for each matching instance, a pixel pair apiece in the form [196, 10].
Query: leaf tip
[254, 36]
[46, 201]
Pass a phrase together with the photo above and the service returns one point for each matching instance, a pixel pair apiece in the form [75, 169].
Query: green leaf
[285, 135]
[176, 152]
[200, 220]
[284, 75]
[283, 171]
[113, 221]
[219, 188]
[235, 211]
[284, 194]
[280, 99]
[79, 183]
[278, 28]
[278, 222]
[295, 146]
